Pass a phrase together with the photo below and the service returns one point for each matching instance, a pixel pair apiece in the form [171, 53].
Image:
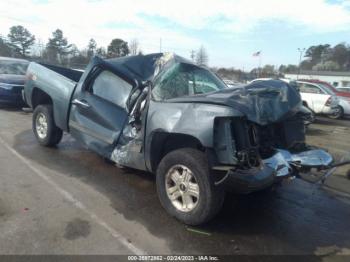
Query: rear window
[13, 67]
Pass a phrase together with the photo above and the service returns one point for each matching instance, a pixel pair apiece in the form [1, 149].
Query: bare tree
[134, 46]
[193, 55]
[57, 48]
[91, 48]
[5, 49]
[101, 51]
[202, 56]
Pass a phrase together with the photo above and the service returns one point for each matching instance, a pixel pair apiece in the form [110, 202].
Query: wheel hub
[41, 125]
[182, 188]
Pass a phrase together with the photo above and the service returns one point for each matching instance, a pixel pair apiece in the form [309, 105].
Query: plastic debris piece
[198, 231]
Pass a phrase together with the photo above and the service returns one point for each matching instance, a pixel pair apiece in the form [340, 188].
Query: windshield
[183, 80]
[8, 67]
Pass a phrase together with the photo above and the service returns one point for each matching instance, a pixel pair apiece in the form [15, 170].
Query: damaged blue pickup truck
[163, 114]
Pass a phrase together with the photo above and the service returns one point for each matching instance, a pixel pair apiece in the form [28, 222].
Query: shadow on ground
[345, 122]
[296, 219]
[312, 131]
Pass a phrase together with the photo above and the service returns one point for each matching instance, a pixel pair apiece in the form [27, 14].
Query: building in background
[337, 79]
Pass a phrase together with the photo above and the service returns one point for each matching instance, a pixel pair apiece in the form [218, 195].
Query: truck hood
[262, 102]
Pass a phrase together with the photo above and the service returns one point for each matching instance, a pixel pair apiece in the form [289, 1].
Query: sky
[230, 30]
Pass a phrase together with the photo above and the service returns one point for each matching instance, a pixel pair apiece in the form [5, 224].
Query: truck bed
[57, 82]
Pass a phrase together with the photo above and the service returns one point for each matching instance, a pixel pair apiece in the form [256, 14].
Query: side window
[308, 88]
[111, 88]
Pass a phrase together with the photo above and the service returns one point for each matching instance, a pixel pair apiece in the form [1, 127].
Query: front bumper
[11, 97]
[250, 180]
[327, 110]
[282, 164]
[345, 104]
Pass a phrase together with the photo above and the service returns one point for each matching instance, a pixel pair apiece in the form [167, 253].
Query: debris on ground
[198, 231]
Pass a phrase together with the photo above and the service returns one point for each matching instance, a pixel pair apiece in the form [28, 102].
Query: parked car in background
[231, 83]
[344, 97]
[12, 78]
[269, 78]
[320, 99]
[309, 116]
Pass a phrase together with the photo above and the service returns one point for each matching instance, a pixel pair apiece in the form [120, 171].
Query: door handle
[78, 102]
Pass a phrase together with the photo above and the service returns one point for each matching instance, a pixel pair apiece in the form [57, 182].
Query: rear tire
[197, 210]
[44, 128]
[339, 114]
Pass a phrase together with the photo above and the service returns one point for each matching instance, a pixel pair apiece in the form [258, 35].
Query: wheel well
[39, 97]
[163, 143]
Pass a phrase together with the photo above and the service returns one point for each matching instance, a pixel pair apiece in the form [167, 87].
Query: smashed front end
[268, 142]
[254, 156]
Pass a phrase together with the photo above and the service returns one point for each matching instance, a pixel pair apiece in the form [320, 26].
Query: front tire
[44, 128]
[185, 187]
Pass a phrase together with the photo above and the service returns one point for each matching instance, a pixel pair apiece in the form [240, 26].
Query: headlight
[5, 86]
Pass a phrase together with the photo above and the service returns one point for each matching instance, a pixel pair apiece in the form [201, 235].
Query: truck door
[98, 112]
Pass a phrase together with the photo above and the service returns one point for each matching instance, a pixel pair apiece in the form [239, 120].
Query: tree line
[21, 43]
[323, 57]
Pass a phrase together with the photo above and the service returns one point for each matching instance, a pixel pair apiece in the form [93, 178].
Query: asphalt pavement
[68, 200]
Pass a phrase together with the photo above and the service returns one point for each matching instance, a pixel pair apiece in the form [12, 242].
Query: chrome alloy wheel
[41, 125]
[182, 188]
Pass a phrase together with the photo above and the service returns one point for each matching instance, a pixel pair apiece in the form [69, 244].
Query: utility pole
[259, 68]
[301, 51]
[160, 45]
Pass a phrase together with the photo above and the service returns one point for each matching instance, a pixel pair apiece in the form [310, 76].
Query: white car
[269, 78]
[231, 83]
[344, 102]
[319, 99]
